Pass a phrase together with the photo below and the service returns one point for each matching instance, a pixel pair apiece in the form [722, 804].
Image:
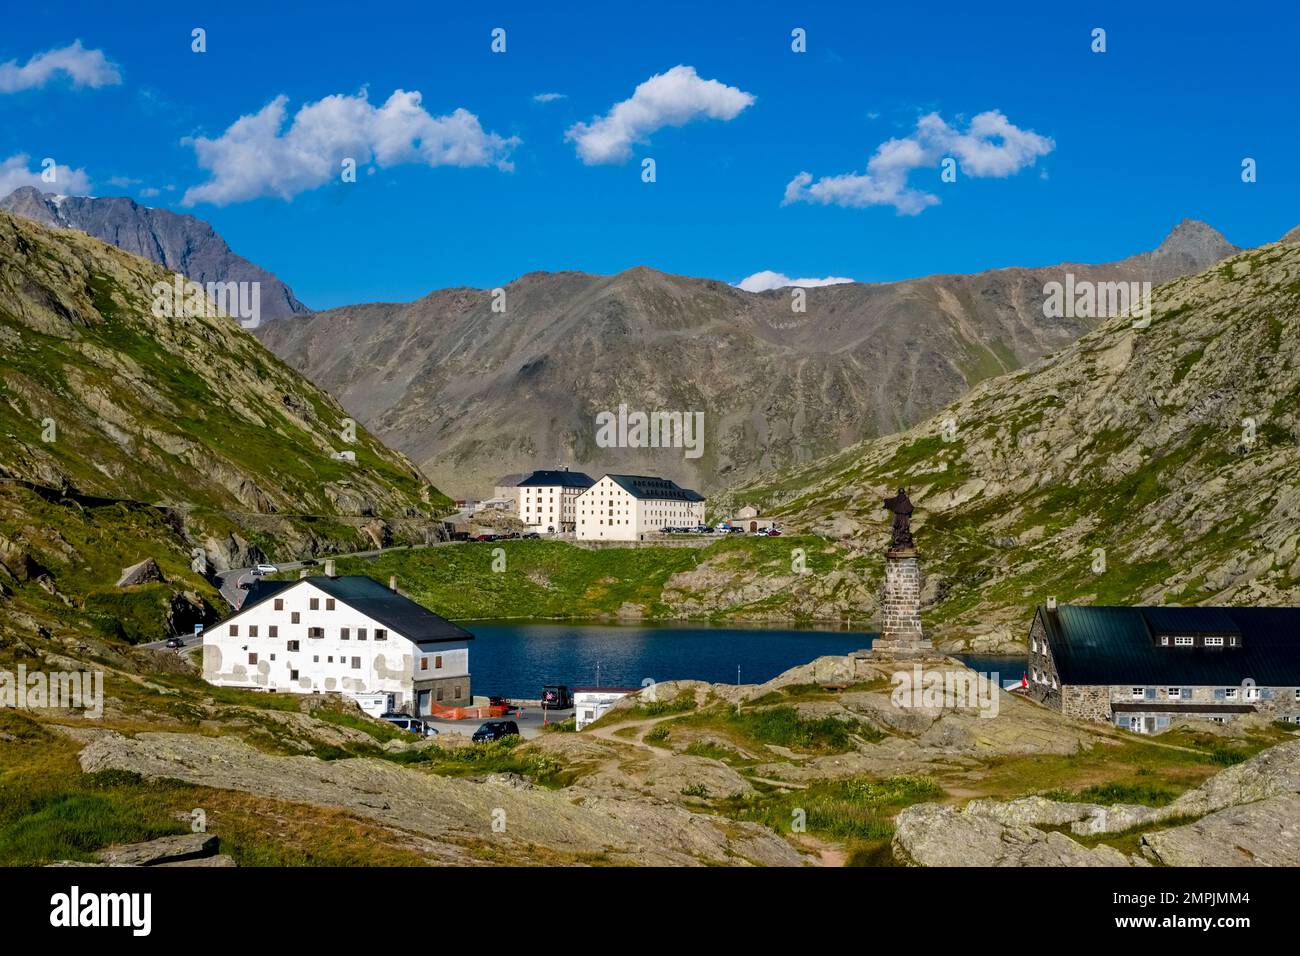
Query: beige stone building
[630, 507]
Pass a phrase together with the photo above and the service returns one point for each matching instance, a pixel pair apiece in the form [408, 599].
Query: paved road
[530, 724]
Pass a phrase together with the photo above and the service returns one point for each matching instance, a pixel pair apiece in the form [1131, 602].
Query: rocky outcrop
[145, 572]
[467, 813]
[1249, 815]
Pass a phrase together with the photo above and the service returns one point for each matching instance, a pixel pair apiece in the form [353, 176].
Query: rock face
[472, 393]
[1249, 816]
[142, 573]
[185, 848]
[456, 812]
[180, 243]
[1106, 473]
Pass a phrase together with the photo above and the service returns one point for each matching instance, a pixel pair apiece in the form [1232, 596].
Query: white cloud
[83, 67]
[666, 99]
[14, 174]
[990, 146]
[766, 280]
[258, 157]
[549, 97]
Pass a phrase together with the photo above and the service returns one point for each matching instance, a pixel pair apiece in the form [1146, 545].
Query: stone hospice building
[1143, 667]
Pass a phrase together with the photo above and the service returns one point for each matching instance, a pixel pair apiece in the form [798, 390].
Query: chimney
[1051, 604]
[392, 583]
[302, 573]
[329, 568]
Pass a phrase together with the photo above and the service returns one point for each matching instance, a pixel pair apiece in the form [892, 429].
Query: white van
[375, 704]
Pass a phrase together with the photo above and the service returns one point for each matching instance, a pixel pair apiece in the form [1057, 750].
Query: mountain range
[473, 384]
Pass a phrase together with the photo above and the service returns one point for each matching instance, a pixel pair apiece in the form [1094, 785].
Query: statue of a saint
[901, 506]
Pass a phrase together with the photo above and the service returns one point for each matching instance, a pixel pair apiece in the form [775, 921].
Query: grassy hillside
[735, 578]
[1141, 464]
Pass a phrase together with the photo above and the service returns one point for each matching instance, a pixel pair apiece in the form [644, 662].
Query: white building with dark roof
[350, 635]
[546, 498]
[629, 507]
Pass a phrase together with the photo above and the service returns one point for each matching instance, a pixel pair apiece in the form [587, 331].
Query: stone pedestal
[900, 610]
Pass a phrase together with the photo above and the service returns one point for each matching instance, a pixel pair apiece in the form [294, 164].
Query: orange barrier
[467, 713]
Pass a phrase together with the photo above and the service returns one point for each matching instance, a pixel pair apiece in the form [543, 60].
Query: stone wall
[1086, 702]
[1044, 682]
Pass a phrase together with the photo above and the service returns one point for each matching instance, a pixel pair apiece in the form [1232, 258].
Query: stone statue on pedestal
[902, 509]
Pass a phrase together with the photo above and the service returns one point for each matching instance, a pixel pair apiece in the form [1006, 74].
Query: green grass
[783, 726]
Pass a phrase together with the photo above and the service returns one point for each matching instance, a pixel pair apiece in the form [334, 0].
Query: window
[1175, 692]
[279, 604]
[291, 646]
[313, 604]
[437, 662]
[1138, 693]
[252, 630]
[273, 630]
[329, 604]
[315, 632]
[440, 693]
[293, 675]
[330, 659]
[356, 663]
[1214, 642]
[344, 633]
[252, 658]
[424, 663]
[1252, 693]
[234, 630]
[457, 697]
[1182, 641]
[381, 634]
[1297, 693]
[315, 659]
[361, 634]
[294, 617]
[1230, 693]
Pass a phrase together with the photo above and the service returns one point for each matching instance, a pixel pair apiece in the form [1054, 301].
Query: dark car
[556, 697]
[175, 642]
[532, 535]
[484, 537]
[496, 730]
[309, 563]
[498, 702]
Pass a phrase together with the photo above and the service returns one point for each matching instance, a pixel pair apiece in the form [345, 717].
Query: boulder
[168, 849]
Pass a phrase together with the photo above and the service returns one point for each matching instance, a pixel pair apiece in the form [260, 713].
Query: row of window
[312, 604]
[1183, 693]
[345, 633]
[356, 661]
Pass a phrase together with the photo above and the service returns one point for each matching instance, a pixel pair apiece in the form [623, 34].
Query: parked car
[495, 701]
[735, 530]
[703, 529]
[532, 534]
[309, 562]
[496, 730]
[774, 533]
[266, 569]
[175, 642]
[412, 725]
[484, 537]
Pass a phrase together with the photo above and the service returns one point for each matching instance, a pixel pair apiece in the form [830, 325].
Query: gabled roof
[413, 621]
[1118, 645]
[651, 486]
[564, 478]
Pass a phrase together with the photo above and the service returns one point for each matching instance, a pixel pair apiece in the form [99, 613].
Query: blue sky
[1120, 146]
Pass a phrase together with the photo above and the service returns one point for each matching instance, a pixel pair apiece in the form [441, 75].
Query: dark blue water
[515, 658]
